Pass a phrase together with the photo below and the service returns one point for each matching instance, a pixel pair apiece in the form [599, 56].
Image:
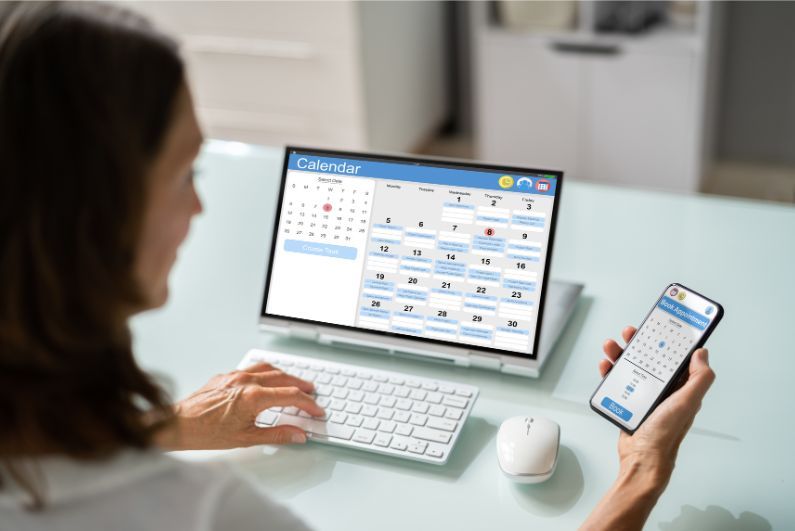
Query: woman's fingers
[612, 350]
[280, 435]
[628, 332]
[280, 379]
[604, 367]
[267, 397]
[259, 367]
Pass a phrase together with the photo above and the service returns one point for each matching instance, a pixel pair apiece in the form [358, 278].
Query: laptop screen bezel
[442, 162]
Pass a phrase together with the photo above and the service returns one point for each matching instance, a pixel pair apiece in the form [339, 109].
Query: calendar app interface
[437, 251]
[658, 348]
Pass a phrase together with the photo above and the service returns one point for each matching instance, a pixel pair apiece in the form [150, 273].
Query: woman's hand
[657, 441]
[647, 456]
[221, 414]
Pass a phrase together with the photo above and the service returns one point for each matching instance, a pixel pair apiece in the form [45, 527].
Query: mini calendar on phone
[446, 252]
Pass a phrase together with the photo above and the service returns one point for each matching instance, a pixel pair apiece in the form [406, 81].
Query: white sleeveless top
[136, 491]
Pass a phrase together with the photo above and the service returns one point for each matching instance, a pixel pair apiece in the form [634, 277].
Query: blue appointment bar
[539, 184]
[320, 249]
[684, 313]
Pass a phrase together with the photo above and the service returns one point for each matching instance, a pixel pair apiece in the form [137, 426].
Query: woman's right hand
[654, 445]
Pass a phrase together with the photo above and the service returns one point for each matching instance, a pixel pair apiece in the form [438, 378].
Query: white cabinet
[327, 74]
[620, 109]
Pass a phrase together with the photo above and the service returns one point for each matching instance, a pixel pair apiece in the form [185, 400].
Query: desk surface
[735, 468]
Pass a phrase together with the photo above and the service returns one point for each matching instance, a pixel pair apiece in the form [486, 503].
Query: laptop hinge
[484, 362]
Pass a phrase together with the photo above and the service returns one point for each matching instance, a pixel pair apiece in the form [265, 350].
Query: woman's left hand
[221, 414]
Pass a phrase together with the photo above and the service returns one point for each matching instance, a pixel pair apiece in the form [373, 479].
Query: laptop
[435, 259]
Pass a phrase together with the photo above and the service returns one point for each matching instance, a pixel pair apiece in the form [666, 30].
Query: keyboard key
[434, 398]
[278, 409]
[413, 383]
[323, 390]
[429, 386]
[442, 424]
[463, 392]
[396, 380]
[338, 417]
[372, 399]
[428, 434]
[353, 407]
[317, 428]
[340, 392]
[332, 370]
[453, 413]
[417, 447]
[382, 439]
[339, 381]
[355, 396]
[370, 423]
[403, 404]
[404, 429]
[348, 372]
[267, 417]
[386, 389]
[455, 401]
[380, 378]
[419, 407]
[447, 389]
[364, 436]
[419, 394]
[337, 405]
[355, 383]
[437, 411]
[388, 401]
[385, 413]
[302, 364]
[369, 411]
[434, 451]
[323, 401]
[401, 416]
[364, 375]
[418, 420]
[402, 392]
[370, 387]
[304, 414]
[387, 426]
[323, 379]
[291, 410]
[354, 420]
[398, 444]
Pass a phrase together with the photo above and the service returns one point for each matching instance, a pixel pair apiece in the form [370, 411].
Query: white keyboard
[386, 412]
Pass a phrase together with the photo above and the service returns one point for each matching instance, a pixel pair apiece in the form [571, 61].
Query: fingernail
[298, 438]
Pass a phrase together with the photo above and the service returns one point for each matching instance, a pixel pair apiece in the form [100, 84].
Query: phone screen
[677, 325]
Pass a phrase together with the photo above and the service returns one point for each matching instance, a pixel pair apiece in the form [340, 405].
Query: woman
[97, 139]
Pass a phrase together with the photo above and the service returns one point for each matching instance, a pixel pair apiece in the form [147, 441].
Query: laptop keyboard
[386, 412]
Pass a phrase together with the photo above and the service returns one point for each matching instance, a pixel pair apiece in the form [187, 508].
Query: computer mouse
[527, 448]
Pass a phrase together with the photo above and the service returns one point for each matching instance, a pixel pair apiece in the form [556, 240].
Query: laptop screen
[446, 252]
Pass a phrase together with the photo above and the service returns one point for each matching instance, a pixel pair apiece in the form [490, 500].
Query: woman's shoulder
[146, 490]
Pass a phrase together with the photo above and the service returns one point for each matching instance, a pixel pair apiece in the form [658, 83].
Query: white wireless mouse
[527, 448]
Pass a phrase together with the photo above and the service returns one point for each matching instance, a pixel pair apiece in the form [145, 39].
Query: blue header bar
[538, 184]
[684, 313]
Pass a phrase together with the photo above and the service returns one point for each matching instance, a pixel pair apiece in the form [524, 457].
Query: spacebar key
[317, 428]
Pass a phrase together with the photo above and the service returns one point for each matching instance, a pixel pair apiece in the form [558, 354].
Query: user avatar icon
[524, 183]
[542, 186]
[673, 292]
[681, 296]
[709, 310]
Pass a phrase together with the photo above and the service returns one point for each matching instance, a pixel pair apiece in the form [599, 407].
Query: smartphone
[656, 357]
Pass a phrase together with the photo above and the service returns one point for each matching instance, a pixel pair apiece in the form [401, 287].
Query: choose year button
[616, 409]
[320, 249]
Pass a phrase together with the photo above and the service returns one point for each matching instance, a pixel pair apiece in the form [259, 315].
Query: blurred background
[678, 96]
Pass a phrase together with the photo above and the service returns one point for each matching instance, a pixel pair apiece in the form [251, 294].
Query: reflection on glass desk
[734, 471]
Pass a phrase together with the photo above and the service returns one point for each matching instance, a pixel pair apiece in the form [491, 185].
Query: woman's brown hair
[86, 97]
